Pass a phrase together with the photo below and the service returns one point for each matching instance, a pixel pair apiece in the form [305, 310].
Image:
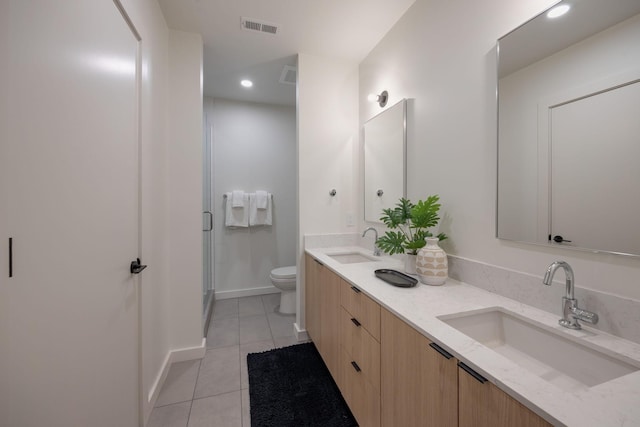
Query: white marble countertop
[613, 403]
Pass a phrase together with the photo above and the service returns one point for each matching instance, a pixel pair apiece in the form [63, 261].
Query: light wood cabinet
[419, 379]
[482, 404]
[330, 319]
[322, 311]
[313, 269]
[391, 375]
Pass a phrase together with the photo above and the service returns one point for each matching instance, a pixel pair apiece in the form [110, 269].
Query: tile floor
[214, 391]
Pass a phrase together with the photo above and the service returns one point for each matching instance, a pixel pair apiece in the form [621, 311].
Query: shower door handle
[210, 221]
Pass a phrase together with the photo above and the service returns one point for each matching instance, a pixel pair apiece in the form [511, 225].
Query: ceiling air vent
[249, 24]
[288, 75]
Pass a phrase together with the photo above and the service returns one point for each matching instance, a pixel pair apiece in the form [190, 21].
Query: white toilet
[284, 278]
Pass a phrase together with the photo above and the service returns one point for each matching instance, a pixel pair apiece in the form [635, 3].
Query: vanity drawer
[361, 347]
[361, 307]
[363, 399]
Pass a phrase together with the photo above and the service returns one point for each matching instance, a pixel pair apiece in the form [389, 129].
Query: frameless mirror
[385, 140]
[569, 128]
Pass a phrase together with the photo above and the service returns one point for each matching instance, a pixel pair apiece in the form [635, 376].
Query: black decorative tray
[396, 278]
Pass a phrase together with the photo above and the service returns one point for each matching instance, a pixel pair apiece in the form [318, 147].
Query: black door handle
[136, 267]
[558, 239]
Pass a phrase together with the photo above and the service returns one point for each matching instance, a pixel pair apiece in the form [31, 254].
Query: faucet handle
[585, 315]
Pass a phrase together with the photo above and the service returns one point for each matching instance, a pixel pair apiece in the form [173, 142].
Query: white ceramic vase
[410, 263]
[432, 266]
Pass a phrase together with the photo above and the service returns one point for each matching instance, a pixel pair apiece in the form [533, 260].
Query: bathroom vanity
[427, 355]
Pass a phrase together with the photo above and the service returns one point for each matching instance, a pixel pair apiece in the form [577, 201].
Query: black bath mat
[292, 387]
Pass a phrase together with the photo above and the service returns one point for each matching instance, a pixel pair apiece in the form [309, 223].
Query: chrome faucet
[376, 249]
[570, 311]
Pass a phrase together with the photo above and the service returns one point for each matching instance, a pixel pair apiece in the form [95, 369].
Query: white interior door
[69, 165]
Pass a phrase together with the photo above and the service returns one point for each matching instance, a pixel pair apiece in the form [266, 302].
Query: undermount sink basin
[352, 257]
[549, 354]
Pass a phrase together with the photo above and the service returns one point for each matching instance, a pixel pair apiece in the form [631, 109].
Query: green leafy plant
[412, 222]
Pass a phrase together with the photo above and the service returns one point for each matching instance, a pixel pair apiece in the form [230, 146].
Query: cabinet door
[482, 404]
[419, 384]
[329, 291]
[313, 269]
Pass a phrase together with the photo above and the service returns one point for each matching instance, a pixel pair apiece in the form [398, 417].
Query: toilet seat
[284, 272]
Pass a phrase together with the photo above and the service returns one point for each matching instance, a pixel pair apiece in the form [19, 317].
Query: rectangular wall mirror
[568, 128]
[385, 141]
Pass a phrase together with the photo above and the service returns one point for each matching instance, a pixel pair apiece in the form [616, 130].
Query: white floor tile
[219, 372]
[223, 332]
[180, 383]
[225, 308]
[281, 324]
[214, 391]
[254, 328]
[250, 306]
[224, 410]
[176, 415]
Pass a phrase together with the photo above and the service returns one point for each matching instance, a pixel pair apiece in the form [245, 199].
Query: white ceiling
[346, 29]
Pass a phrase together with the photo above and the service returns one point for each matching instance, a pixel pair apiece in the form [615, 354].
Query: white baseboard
[301, 334]
[246, 292]
[190, 353]
[180, 355]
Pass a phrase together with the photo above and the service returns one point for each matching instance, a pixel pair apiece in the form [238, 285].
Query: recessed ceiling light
[246, 83]
[558, 11]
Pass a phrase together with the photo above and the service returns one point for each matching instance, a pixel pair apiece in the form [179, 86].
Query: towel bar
[224, 196]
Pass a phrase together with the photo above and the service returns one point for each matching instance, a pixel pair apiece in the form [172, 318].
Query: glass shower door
[207, 228]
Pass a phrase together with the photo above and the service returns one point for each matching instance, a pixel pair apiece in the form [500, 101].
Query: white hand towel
[259, 216]
[262, 198]
[237, 199]
[236, 217]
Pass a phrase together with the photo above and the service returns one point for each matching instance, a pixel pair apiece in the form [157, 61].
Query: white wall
[443, 55]
[327, 152]
[184, 186]
[253, 149]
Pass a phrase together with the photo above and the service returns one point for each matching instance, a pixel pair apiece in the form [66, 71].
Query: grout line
[189, 416]
[193, 395]
[194, 389]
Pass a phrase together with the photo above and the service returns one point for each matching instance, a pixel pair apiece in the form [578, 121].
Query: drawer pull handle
[473, 373]
[356, 290]
[355, 321]
[10, 256]
[440, 350]
[355, 366]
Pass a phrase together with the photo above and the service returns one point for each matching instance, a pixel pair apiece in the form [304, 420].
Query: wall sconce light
[380, 99]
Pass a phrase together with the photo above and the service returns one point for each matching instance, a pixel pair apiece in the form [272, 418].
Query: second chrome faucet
[376, 249]
[571, 313]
